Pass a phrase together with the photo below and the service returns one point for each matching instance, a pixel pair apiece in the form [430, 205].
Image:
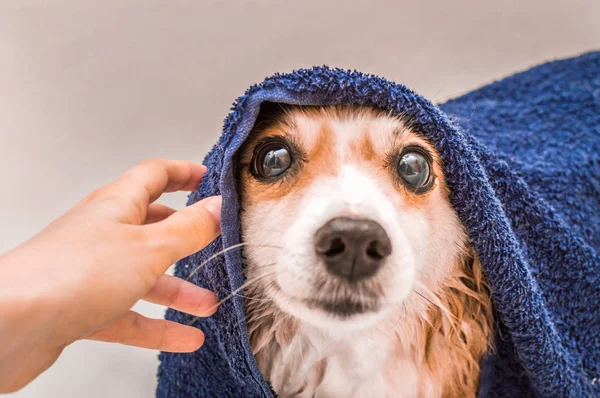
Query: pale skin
[79, 277]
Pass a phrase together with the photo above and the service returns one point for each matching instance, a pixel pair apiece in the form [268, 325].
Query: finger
[182, 296]
[185, 232]
[151, 178]
[136, 330]
[157, 212]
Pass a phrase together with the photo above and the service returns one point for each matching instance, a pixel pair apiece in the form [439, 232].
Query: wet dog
[361, 281]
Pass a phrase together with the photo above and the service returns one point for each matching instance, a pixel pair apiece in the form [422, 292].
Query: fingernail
[213, 205]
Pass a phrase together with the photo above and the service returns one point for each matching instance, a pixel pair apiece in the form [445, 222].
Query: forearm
[27, 325]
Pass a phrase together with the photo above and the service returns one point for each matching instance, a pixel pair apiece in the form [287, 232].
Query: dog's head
[345, 214]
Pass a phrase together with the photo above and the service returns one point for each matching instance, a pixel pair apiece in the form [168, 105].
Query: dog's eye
[271, 159]
[415, 170]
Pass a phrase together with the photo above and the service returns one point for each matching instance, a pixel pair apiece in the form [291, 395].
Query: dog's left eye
[271, 159]
[415, 170]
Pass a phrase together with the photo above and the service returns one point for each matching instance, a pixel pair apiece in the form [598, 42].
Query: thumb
[188, 230]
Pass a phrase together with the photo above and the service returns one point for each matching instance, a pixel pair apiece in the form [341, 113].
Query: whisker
[222, 252]
[245, 285]
[253, 298]
[424, 298]
[446, 96]
[437, 303]
[233, 293]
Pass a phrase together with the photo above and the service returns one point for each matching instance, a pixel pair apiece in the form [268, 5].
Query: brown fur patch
[363, 149]
[322, 158]
[320, 368]
[457, 333]
[319, 160]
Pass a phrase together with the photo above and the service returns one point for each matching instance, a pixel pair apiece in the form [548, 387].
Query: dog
[361, 281]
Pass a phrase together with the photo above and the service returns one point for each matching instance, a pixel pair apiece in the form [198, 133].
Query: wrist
[28, 310]
[28, 325]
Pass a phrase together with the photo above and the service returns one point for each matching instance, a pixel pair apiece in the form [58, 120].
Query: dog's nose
[353, 249]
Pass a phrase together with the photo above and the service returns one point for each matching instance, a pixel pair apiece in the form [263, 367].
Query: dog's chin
[338, 316]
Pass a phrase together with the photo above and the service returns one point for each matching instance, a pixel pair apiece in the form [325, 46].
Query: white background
[90, 88]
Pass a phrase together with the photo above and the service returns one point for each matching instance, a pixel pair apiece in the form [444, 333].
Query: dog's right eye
[271, 160]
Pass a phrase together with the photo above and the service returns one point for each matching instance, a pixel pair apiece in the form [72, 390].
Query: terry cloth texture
[522, 160]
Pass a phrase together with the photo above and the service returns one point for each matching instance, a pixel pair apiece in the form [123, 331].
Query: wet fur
[430, 345]
[445, 343]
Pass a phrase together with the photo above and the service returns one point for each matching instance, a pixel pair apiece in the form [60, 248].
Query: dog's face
[345, 214]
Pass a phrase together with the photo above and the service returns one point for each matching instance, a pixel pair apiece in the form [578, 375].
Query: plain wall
[90, 88]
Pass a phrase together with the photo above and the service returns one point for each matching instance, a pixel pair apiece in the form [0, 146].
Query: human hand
[79, 277]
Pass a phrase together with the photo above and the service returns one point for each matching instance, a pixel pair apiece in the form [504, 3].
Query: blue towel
[522, 159]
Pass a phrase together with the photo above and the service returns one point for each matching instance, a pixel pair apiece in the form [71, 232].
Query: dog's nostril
[353, 249]
[376, 251]
[337, 247]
